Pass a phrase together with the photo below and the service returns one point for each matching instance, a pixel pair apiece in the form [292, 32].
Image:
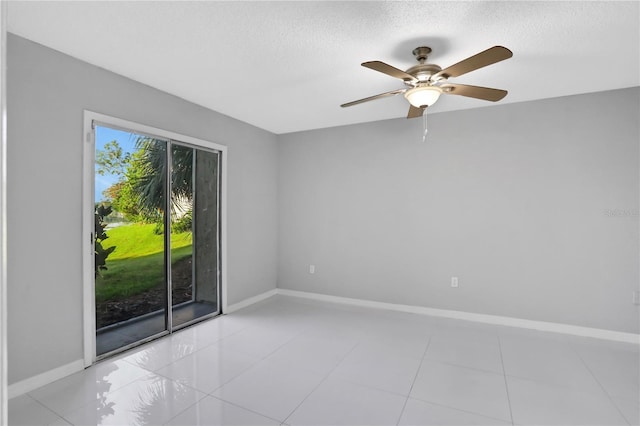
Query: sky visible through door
[104, 135]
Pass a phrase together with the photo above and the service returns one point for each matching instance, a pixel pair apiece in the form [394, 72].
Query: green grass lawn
[137, 264]
[138, 239]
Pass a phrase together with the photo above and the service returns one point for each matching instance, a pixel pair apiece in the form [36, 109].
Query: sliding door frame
[90, 120]
[3, 214]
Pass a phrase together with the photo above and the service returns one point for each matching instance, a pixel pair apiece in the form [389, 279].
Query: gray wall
[512, 199]
[47, 94]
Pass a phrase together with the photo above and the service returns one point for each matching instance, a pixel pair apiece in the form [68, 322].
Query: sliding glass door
[156, 240]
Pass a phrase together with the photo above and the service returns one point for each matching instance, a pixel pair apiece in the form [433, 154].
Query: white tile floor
[289, 361]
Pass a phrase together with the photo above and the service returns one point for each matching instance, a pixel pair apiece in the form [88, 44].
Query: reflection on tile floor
[116, 336]
[290, 361]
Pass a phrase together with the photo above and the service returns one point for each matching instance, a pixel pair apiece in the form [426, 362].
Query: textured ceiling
[287, 66]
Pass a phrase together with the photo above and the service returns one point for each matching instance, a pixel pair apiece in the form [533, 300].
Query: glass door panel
[130, 259]
[194, 234]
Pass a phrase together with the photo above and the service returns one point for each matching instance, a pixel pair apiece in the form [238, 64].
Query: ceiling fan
[426, 82]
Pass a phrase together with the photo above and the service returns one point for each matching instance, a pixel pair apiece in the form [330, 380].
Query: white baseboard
[576, 330]
[251, 300]
[32, 383]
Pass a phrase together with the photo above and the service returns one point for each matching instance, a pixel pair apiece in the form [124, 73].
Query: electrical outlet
[312, 269]
[636, 298]
[454, 281]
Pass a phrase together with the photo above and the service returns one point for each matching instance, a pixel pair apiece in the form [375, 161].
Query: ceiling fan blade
[415, 112]
[485, 93]
[482, 59]
[389, 70]
[372, 98]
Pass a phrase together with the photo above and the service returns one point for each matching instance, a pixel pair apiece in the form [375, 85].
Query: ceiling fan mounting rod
[421, 53]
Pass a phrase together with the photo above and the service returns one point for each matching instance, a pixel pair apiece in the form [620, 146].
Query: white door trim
[90, 117]
[3, 214]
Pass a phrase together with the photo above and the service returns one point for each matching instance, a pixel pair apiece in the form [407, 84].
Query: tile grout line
[372, 387]
[263, 359]
[260, 359]
[37, 401]
[479, 370]
[243, 372]
[504, 376]
[415, 377]
[122, 356]
[49, 409]
[461, 410]
[187, 408]
[207, 394]
[226, 402]
[598, 382]
[321, 382]
[215, 342]
[210, 394]
[467, 368]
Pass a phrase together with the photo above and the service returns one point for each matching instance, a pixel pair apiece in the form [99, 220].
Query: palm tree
[151, 176]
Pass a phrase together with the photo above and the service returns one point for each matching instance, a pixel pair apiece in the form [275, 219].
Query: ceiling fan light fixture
[423, 96]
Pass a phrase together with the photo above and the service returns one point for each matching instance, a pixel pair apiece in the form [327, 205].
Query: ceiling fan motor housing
[423, 71]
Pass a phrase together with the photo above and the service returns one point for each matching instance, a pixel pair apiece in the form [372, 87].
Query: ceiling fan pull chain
[424, 125]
